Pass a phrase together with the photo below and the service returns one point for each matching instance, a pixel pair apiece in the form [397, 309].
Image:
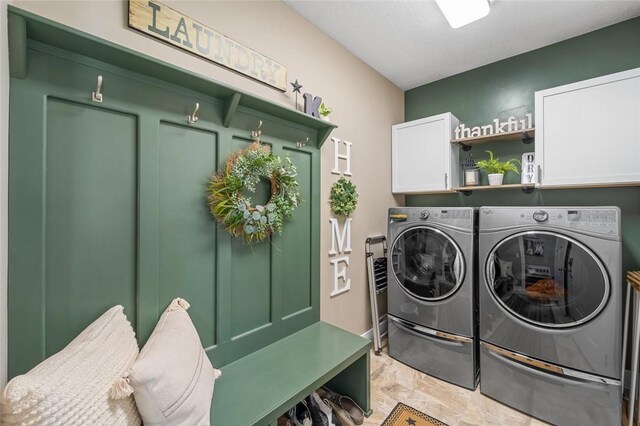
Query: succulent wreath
[232, 208]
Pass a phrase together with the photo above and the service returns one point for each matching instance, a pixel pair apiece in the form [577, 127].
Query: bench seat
[258, 388]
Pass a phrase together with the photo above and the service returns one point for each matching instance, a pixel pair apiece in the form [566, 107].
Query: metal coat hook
[255, 134]
[97, 95]
[301, 144]
[192, 119]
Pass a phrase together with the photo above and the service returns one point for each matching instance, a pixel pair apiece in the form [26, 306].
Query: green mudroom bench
[258, 388]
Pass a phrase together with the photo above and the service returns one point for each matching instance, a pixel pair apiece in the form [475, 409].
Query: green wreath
[244, 168]
[343, 197]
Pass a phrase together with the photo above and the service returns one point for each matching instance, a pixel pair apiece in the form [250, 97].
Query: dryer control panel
[460, 217]
[597, 220]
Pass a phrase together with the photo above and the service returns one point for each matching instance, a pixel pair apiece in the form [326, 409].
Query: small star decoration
[296, 86]
[410, 421]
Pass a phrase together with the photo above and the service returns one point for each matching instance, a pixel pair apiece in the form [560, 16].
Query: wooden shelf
[24, 25]
[525, 135]
[591, 185]
[467, 190]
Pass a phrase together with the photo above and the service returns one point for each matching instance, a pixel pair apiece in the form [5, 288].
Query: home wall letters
[340, 239]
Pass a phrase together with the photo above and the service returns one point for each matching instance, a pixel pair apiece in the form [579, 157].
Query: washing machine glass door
[427, 263]
[547, 279]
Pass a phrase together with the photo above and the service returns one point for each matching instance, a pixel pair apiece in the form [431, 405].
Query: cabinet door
[421, 155]
[587, 132]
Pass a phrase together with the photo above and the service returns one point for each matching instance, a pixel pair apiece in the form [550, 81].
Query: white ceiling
[411, 43]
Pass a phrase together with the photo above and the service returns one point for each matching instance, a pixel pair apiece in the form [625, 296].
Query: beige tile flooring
[393, 382]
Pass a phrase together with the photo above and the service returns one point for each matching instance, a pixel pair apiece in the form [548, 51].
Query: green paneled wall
[91, 215]
[108, 206]
[187, 236]
[295, 294]
[507, 88]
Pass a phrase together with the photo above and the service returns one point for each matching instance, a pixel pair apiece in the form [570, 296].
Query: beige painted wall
[365, 106]
[4, 151]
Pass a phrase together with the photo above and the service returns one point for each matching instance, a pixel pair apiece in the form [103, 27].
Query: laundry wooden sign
[162, 22]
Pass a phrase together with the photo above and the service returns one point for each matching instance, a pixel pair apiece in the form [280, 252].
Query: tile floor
[393, 382]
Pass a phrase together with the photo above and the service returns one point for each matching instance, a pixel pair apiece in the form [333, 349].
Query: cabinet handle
[445, 181]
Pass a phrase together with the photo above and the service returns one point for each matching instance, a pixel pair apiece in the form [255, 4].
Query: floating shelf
[591, 185]
[525, 135]
[467, 190]
[24, 25]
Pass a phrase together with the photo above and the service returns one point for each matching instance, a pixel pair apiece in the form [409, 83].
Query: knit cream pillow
[172, 378]
[73, 387]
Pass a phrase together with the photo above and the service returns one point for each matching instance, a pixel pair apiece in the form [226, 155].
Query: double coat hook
[255, 134]
[192, 118]
[301, 144]
[97, 95]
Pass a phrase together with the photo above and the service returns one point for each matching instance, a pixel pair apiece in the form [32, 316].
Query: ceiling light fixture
[463, 12]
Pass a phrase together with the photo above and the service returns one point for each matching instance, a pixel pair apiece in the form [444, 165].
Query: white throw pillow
[73, 386]
[173, 378]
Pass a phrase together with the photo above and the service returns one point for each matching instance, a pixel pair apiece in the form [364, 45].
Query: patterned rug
[403, 415]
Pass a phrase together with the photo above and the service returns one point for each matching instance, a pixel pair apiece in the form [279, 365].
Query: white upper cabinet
[588, 133]
[423, 159]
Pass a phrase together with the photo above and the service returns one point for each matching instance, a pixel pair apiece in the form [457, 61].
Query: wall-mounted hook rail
[255, 134]
[193, 118]
[97, 95]
[301, 144]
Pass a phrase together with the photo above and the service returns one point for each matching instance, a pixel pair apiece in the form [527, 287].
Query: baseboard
[383, 329]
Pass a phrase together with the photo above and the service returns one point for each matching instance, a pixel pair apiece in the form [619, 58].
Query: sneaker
[316, 415]
[324, 408]
[285, 421]
[326, 393]
[341, 414]
[300, 415]
[355, 412]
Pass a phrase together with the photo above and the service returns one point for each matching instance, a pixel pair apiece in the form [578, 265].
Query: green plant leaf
[343, 197]
[242, 173]
[494, 165]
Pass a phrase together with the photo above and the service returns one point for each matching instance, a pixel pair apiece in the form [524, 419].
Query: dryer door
[427, 263]
[547, 279]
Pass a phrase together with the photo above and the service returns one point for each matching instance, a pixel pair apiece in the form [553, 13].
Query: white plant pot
[495, 179]
[325, 117]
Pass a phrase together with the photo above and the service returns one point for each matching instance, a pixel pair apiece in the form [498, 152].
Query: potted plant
[496, 169]
[324, 111]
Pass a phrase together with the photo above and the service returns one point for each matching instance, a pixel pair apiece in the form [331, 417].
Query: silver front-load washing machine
[431, 291]
[551, 311]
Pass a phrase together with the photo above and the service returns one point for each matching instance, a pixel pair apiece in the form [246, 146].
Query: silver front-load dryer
[431, 291]
[551, 311]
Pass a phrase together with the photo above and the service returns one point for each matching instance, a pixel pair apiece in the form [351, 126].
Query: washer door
[427, 263]
[547, 279]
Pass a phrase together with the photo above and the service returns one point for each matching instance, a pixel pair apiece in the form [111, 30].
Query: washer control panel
[460, 217]
[595, 217]
[598, 220]
[454, 214]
